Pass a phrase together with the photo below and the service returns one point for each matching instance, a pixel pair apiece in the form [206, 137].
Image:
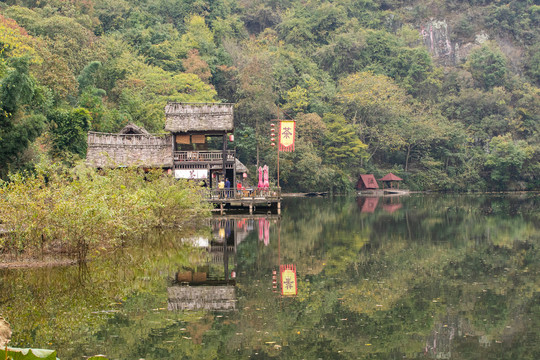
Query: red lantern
[231, 137]
[273, 144]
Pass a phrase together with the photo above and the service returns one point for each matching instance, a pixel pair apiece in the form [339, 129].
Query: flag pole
[278, 167]
[279, 142]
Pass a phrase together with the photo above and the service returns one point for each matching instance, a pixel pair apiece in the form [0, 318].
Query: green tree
[376, 106]
[488, 67]
[344, 53]
[342, 145]
[68, 129]
[87, 77]
[19, 124]
[506, 160]
[199, 36]
[484, 113]
[533, 65]
[311, 128]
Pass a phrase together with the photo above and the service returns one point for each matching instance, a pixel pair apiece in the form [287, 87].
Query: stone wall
[116, 150]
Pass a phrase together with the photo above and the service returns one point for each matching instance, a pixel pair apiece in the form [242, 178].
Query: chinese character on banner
[289, 285]
[286, 135]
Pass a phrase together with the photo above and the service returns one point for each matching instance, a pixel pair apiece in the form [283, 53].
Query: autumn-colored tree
[15, 40]
[193, 64]
[54, 72]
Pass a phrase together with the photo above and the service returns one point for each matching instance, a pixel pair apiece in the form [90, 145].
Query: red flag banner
[287, 133]
[289, 286]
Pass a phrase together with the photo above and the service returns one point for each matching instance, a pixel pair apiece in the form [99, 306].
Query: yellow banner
[288, 280]
[286, 135]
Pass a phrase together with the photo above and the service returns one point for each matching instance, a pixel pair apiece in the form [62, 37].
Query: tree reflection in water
[436, 276]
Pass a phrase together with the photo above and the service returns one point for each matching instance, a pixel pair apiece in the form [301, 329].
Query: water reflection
[418, 277]
[367, 204]
[209, 283]
[389, 203]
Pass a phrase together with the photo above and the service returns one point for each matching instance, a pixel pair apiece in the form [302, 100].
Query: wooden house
[195, 147]
[200, 136]
[367, 182]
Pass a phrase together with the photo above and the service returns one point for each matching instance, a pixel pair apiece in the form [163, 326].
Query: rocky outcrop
[437, 40]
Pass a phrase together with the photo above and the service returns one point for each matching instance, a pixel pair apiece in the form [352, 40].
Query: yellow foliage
[297, 99]
[14, 40]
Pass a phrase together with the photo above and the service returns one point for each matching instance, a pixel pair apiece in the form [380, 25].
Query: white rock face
[436, 38]
[481, 38]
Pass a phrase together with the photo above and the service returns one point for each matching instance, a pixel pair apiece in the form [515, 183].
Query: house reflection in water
[210, 285]
[367, 204]
[390, 208]
[390, 204]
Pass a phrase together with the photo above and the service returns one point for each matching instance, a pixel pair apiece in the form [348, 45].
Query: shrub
[73, 209]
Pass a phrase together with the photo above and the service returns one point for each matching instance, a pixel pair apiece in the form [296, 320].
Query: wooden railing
[273, 193]
[204, 156]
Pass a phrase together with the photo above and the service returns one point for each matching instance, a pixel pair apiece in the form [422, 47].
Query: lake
[414, 277]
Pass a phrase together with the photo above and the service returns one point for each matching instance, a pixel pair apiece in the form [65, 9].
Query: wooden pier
[246, 199]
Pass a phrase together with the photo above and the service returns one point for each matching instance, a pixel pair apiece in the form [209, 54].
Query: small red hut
[367, 182]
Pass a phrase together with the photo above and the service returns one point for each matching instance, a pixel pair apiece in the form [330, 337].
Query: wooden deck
[248, 199]
[383, 192]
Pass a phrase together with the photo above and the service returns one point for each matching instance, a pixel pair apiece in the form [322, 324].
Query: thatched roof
[189, 117]
[133, 129]
[240, 167]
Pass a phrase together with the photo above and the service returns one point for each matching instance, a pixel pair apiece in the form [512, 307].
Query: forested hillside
[443, 93]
